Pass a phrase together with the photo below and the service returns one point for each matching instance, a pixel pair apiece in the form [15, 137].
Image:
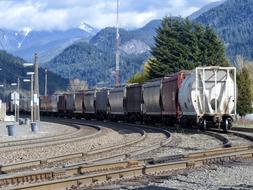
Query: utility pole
[36, 89]
[18, 101]
[32, 101]
[117, 72]
[45, 82]
[15, 105]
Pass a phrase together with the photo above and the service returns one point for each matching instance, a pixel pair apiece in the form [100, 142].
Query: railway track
[106, 168]
[242, 129]
[109, 153]
[235, 137]
[83, 176]
[78, 135]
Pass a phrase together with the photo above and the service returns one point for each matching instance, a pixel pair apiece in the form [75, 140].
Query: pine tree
[213, 49]
[183, 45]
[245, 94]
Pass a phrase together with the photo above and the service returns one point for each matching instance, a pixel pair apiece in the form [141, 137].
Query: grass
[243, 123]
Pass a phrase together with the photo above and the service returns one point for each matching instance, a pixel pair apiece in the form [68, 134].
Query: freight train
[202, 98]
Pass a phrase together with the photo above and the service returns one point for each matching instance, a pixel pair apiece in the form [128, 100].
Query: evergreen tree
[212, 49]
[182, 45]
[245, 94]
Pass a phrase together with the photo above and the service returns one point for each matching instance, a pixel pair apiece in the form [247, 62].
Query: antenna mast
[117, 73]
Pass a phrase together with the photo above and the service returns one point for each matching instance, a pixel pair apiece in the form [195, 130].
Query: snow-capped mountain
[25, 42]
[24, 32]
[87, 28]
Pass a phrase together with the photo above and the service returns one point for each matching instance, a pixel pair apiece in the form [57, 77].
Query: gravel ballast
[232, 176]
[182, 143]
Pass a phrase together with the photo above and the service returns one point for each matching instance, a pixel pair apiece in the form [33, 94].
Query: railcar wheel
[203, 125]
[184, 123]
[226, 125]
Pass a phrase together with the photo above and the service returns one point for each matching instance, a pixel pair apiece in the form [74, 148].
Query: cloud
[52, 14]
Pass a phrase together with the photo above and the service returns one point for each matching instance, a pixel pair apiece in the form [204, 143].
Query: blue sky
[64, 14]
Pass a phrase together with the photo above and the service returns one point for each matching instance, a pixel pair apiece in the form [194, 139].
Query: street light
[28, 64]
[34, 88]
[1, 85]
[26, 80]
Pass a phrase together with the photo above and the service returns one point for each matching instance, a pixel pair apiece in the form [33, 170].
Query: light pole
[45, 82]
[35, 89]
[16, 100]
[32, 100]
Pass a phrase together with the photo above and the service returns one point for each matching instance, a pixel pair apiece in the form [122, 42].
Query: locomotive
[202, 98]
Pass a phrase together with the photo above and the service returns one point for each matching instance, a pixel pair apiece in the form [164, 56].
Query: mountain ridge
[48, 44]
[206, 8]
[135, 46]
[12, 68]
[235, 31]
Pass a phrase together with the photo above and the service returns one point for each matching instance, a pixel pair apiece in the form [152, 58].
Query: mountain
[47, 44]
[105, 38]
[94, 61]
[205, 9]
[87, 62]
[233, 21]
[87, 28]
[11, 68]
[84, 61]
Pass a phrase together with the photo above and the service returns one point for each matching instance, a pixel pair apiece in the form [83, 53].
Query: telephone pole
[36, 89]
[18, 101]
[45, 82]
[32, 101]
[117, 72]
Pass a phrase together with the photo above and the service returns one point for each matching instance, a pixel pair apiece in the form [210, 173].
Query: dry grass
[245, 123]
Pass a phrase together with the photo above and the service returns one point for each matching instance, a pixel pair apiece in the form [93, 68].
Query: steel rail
[38, 163]
[100, 173]
[247, 136]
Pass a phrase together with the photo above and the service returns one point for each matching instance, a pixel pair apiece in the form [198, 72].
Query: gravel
[184, 143]
[233, 176]
[237, 141]
[109, 138]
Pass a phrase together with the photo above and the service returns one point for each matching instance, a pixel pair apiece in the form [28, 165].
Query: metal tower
[117, 72]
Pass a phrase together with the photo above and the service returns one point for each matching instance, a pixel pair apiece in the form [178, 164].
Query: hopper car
[202, 98]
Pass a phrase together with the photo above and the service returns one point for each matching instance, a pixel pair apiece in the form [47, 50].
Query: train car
[49, 105]
[152, 108]
[79, 104]
[8, 108]
[24, 105]
[70, 105]
[208, 97]
[62, 105]
[89, 104]
[171, 111]
[134, 102]
[101, 104]
[116, 99]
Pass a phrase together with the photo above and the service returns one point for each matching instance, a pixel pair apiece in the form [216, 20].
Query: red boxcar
[171, 110]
